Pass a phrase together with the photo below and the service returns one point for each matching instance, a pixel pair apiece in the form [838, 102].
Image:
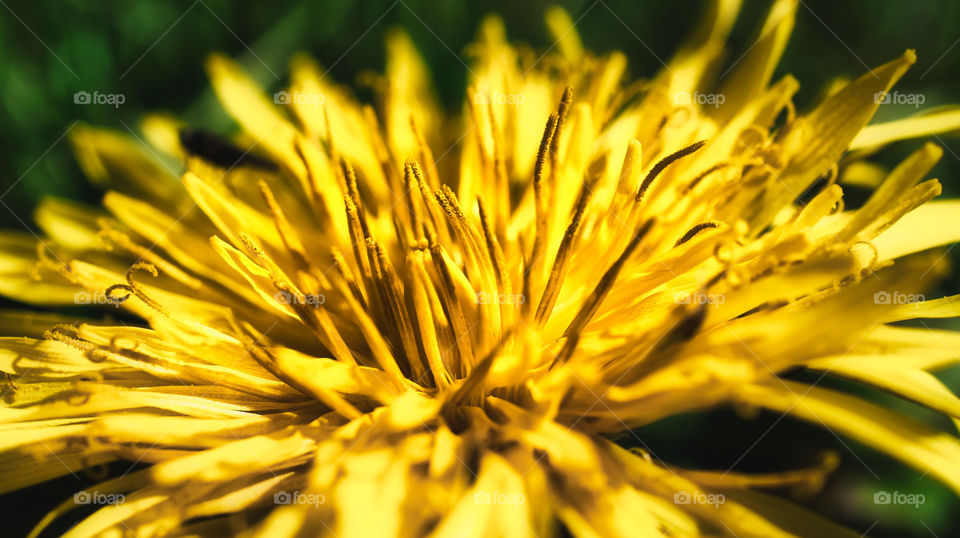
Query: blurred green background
[152, 52]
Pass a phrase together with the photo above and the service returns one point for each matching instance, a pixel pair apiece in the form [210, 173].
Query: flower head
[347, 331]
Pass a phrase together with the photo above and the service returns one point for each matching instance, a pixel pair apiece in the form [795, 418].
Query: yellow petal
[752, 74]
[921, 229]
[927, 123]
[916, 444]
[245, 101]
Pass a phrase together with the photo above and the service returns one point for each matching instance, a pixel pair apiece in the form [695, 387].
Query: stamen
[318, 320]
[313, 186]
[540, 198]
[409, 179]
[469, 238]
[562, 110]
[448, 295]
[315, 317]
[287, 233]
[474, 382]
[700, 177]
[347, 275]
[123, 241]
[559, 270]
[695, 230]
[809, 478]
[315, 390]
[500, 175]
[394, 181]
[663, 164]
[425, 320]
[353, 190]
[592, 304]
[494, 251]
[426, 155]
[132, 288]
[137, 290]
[115, 299]
[429, 202]
[486, 274]
[378, 346]
[358, 241]
[392, 296]
[67, 334]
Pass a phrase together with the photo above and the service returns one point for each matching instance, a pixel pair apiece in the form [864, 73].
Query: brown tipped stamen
[695, 230]
[393, 292]
[287, 234]
[451, 301]
[353, 190]
[700, 177]
[425, 306]
[344, 270]
[494, 250]
[559, 270]
[540, 197]
[562, 110]
[662, 164]
[592, 304]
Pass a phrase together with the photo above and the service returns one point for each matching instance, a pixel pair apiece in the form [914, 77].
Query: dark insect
[215, 150]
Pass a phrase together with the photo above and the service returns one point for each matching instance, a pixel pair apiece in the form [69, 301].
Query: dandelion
[347, 331]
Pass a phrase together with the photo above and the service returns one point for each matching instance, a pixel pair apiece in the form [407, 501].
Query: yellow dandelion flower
[346, 334]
